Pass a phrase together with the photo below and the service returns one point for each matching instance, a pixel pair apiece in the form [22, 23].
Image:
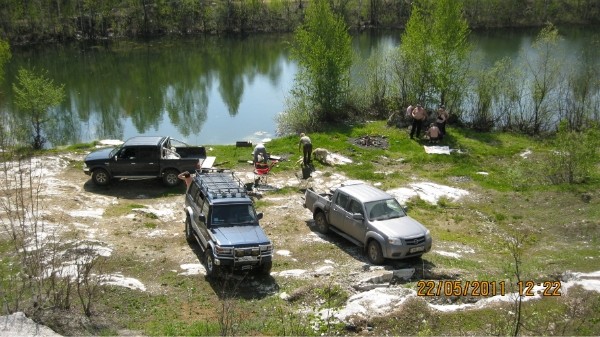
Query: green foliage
[373, 89]
[415, 55]
[545, 69]
[450, 49]
[583, 82]
[35, 95]
[5, 56]
[322, 47]
[299, 115]
[435, 48]
[487, 89]
[575, 156]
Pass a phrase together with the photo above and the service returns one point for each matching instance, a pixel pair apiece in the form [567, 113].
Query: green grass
[560, 223]
[121, 209]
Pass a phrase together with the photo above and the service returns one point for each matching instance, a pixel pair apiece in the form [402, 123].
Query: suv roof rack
[221, 185]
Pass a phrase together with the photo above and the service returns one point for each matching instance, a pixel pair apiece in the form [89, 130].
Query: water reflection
[166, 86]
[206, 90]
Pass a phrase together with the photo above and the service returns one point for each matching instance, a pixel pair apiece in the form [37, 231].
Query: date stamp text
[486, 288]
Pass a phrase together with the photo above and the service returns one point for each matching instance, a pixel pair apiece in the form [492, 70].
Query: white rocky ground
[68, 198]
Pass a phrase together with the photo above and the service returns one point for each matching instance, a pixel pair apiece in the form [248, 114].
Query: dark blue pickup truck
[144, 157]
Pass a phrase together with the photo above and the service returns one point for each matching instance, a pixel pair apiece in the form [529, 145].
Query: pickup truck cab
[144, 157]
[221, 218]
[370, 218]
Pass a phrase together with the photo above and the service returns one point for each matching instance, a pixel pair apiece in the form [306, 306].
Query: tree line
[433, 66]
[34, 21]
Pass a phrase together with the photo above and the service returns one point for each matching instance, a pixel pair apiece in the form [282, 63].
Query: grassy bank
[556, 225]
[514, 216]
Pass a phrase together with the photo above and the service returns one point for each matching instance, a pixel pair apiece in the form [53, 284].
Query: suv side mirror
[405, 208]
[358, 216]
[202, 218]
[259, 215]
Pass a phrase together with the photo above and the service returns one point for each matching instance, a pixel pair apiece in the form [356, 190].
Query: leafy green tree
[324, 53]
[35, 95]
[435, 46]
[450, 50]
[415, 56]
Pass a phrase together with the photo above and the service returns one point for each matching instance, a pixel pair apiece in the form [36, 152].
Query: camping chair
[261, 172]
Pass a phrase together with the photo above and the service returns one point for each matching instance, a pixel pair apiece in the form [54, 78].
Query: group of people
[305, 145]
[419, 115]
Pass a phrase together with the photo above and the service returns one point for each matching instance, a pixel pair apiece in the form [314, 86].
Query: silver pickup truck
[371, 219]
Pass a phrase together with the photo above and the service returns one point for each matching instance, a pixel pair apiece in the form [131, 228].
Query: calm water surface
[205, 90]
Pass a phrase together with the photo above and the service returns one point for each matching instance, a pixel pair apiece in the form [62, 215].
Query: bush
[575, 156]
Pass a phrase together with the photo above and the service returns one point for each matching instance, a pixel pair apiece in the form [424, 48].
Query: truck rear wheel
[170, 178]
[374, 253]
[212, 270]
[100, 177]
[321, 222]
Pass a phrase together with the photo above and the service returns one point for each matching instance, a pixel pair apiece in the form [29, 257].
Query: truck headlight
[266, 248]
[395, 241]
[428, 235]
[223, 250]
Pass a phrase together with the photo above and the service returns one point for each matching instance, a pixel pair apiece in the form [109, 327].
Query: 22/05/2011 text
[485, 288]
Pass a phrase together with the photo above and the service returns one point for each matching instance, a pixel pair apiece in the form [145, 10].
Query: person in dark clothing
[306, 146]
[442, 118]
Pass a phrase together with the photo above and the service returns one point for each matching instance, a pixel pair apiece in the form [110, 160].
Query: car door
[136, 161]
[355, 227]
[338, 213]
[125, 160]
[148, 161]
[199, 207]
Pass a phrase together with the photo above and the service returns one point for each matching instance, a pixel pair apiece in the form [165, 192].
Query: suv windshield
[384, 209]
[233, 215]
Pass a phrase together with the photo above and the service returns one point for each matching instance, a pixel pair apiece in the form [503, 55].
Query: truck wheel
[374, 253]
[100, 177]
[265, 268]
[189, 236]
[321, 222]
[170, 178]
[212, 270]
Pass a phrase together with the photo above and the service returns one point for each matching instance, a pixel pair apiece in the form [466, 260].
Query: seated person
[433, 133]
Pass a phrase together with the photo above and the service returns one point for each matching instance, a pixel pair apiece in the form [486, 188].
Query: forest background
[23, 22]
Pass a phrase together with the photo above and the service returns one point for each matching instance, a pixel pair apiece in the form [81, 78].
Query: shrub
[574, 157]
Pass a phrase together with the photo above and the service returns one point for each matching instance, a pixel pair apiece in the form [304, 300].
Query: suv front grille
[415, 241]
[253, 251]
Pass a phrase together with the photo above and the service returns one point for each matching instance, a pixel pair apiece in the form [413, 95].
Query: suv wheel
[189, 236]
[170, 178]
[374, 253]
[265, 268]
[321, 222]
[212, 270]
[100, 177]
